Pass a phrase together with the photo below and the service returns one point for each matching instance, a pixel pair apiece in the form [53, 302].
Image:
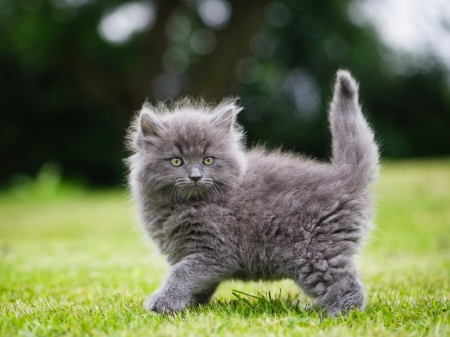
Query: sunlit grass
[73, 262]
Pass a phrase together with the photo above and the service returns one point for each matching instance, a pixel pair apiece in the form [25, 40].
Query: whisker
[220, 190]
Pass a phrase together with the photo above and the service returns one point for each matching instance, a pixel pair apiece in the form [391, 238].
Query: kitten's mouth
[194, 191]
[195, 185]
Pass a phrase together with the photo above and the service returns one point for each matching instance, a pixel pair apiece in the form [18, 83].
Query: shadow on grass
[390, 313]
[246, 305]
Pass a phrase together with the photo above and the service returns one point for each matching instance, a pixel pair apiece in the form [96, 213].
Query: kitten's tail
[355, 152]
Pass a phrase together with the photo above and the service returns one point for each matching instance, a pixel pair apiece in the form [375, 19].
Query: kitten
[221, 212]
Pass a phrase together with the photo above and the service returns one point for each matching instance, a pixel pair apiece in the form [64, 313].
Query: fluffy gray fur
[253, 214]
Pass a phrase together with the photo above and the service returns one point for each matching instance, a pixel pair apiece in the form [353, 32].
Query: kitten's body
[256, 214]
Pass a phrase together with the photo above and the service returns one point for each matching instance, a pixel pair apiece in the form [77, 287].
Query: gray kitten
[221, 212]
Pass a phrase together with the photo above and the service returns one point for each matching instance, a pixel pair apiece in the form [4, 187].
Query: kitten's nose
[195, 175]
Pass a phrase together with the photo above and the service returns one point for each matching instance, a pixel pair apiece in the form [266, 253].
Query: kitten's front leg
[187, 280]
[204, 297]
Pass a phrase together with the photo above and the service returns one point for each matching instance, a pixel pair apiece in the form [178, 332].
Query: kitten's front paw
[164, 304]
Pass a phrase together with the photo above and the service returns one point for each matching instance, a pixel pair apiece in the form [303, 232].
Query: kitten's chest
[187, 230]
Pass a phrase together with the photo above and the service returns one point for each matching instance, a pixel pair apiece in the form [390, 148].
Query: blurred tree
[72, 72]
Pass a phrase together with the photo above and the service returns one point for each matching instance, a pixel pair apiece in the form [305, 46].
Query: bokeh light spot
[302, 87]
[214, 13]
[71, 3]
[247, 70]
[7, 8]
[117, 26]
[273, 77]
[412, 27]
[203, 41]
[175, 61]
[178, 28]
[277, 14]
[263, 45]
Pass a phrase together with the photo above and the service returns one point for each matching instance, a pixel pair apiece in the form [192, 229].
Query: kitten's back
[282, 179]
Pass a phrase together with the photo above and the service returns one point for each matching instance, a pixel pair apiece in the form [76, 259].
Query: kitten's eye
[208, 161]
[176, 162]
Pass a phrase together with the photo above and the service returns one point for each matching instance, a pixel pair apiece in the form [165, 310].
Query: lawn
[75, 263]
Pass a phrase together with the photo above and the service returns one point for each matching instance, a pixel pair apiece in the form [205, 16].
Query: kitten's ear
[149, 123]
[226, 116]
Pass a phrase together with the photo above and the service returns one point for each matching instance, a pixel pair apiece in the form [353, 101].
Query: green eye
[208, 161]
[176, 162]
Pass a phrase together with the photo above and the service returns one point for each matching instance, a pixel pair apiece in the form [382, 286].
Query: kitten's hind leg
[336, 290]
[344, 294]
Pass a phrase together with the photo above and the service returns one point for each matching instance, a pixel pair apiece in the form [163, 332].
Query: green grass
[74, 263]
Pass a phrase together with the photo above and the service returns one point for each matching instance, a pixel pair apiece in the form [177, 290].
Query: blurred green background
[73, 72]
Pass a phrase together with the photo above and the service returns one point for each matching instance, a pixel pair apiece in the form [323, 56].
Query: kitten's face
[189, 155]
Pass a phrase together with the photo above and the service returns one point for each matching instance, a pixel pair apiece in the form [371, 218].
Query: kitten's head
[188, 150]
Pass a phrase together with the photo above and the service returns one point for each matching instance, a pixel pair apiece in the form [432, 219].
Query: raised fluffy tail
[355, 152]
